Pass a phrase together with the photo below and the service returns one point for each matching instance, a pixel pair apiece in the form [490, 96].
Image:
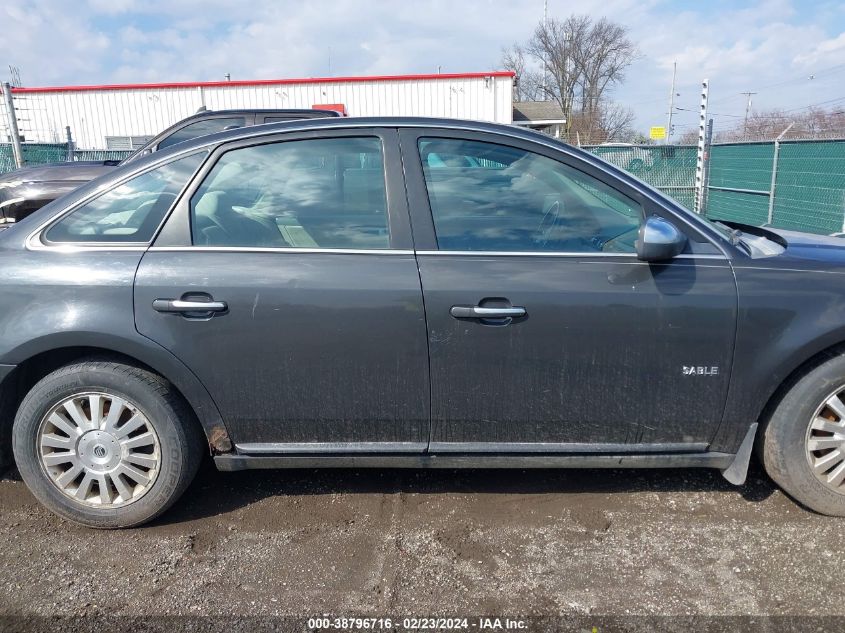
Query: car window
[490, 197]
[318, 193]
[201, 128]
[130, 212]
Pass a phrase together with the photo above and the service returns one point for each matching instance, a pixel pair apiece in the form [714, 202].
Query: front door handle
[182, 306]
[478, 312]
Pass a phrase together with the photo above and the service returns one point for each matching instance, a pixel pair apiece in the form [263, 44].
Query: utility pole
[671, 103]
[747, 112]
[545, 10]
[14, 133]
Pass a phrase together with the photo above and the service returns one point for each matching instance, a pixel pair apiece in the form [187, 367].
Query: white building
[124, 116]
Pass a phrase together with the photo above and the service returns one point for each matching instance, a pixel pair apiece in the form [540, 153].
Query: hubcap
[99, 449]
[825, 442]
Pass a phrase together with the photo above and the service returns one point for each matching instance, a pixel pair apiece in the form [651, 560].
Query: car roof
[329, 123]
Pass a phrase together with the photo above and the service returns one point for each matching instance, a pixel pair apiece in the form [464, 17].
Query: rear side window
[130, 212]
[201, 128]
[316, 193]
[491, 197]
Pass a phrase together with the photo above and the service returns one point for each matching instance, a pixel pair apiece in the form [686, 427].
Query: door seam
[422, 295]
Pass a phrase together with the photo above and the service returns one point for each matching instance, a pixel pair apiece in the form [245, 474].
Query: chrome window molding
[34, 241]
[280, 249]
[559, 254]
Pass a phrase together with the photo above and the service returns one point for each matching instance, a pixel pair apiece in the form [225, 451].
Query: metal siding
[95, 114]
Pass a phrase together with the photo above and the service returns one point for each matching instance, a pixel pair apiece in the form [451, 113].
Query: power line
[830, 70]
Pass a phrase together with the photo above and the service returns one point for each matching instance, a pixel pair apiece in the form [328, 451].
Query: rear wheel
[105, 444]
[803, 444]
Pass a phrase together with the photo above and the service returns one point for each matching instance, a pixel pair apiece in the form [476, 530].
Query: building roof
[261, 82]
[537, 111]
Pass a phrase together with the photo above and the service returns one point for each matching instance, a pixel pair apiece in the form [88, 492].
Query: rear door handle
[477, 312]
[182, 306]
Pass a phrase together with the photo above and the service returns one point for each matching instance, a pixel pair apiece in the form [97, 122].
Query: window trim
[37, 240]
[422, 217]
[176, 233]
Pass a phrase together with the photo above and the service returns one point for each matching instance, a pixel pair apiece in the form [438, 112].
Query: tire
[786, 439]
[66, 417]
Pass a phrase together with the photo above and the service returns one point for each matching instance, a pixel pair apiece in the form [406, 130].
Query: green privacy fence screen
[808, 192]
[41, 153]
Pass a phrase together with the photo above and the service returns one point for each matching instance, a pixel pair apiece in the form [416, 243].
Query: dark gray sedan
[405, 293]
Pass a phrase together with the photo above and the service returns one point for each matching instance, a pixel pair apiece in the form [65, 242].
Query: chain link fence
[670, 168]
[790, 184]
[43, 153]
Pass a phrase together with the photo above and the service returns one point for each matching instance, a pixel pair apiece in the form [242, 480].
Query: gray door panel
[314, 347]
[599, 358]
[598, 361]
[322, 341]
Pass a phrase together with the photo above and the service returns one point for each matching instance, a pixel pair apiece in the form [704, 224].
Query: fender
[147, 352]
[778, 334]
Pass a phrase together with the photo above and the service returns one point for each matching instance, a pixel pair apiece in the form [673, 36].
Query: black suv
[27, 189]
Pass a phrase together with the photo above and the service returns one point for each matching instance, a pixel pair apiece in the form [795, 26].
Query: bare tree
[580, 61]
[813, 123]
[606, 55]
[559, 48]
[526, 85]
[615, 121]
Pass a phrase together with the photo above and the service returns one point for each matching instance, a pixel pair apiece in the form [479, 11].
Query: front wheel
[105, 444]
[803, 443]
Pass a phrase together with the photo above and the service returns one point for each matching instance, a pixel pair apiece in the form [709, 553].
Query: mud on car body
[406, 293]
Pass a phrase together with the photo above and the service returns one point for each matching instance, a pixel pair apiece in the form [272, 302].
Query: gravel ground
[306, 542]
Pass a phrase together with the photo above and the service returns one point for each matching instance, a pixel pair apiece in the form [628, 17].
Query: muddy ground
[376, 542]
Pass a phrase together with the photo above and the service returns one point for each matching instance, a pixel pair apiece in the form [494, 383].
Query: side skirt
[231, 462]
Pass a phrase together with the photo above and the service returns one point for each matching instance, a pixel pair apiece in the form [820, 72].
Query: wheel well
[797, 374]
[18, 383]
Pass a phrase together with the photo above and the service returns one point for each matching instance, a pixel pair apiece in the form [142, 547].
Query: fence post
[13, 124]
[773, 184]
[699, 163]
[69, 158]
[708, 142]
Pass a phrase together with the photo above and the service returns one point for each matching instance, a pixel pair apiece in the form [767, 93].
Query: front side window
[201, 128]
[490, 197]
[316, 193]
[130, 212]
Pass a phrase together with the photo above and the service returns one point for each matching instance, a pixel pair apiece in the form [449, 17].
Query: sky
[791, 52]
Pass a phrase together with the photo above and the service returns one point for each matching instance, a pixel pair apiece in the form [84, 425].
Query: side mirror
[659, 240]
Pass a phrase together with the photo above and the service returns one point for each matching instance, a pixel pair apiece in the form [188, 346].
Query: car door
[545, 331]
[286, 281]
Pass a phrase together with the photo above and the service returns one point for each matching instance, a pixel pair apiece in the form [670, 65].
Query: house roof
[537, 111]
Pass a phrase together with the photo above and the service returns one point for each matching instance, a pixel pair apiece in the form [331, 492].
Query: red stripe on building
[265, 82]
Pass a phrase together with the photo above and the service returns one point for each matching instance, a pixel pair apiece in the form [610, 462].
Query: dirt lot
[434, 542]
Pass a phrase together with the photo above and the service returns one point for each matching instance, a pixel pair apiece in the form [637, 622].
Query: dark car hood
[802, 247]
[81, 171]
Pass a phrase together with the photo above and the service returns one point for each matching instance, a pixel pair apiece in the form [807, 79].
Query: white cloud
[107, 41]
